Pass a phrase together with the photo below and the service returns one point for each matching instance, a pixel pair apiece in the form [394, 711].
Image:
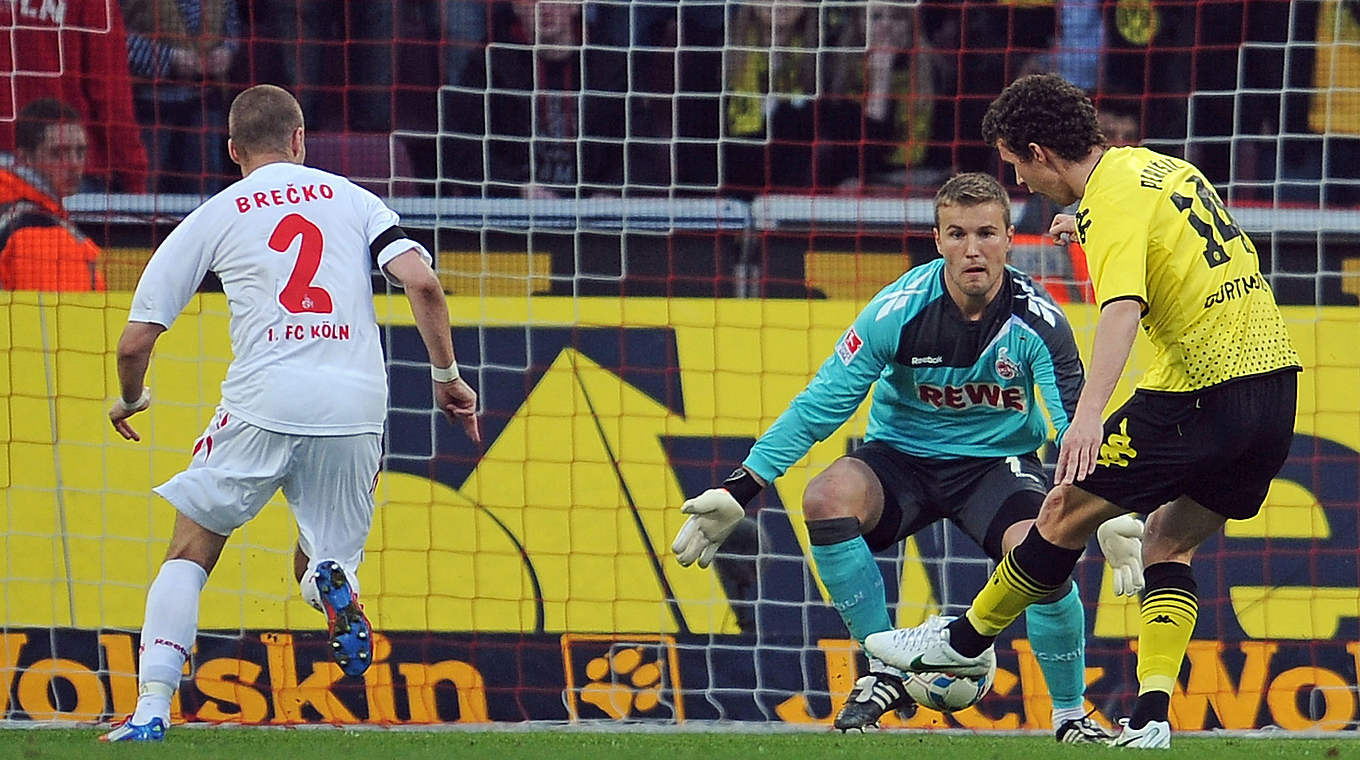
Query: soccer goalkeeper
[954, 350]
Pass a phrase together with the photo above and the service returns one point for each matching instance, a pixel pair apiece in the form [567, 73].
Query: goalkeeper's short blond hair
[262, 120]
[972, 189]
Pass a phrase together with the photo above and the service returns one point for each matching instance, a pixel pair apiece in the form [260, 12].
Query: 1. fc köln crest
[1005, 368]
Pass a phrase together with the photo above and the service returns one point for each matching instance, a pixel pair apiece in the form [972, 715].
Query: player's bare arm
[134, 355]
[454, 397]
[1115, 331]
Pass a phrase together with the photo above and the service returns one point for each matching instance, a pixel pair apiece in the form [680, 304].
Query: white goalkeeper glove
[1121, 539]
[713, 515]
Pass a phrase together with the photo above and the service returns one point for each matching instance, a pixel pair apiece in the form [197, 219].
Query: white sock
[1062, 714]
[311, 595]
[153, 701]
[168, 634]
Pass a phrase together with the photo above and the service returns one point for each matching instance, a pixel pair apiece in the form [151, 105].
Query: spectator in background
[463, 32]
[772, 117]
[1079, 43]
[889, 102]
[558, 113]
[1077, 46]
[1327, 163]
[180, 52]
[42, 248]
[1151, 49]
[338, 55]
[76, 52]
[984, 45]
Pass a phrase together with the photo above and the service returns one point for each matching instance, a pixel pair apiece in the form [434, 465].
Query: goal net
[654, 219]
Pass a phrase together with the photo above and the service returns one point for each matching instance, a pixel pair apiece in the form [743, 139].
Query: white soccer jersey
[291, 245]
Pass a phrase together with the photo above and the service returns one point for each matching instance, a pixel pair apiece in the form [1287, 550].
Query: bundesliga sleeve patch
[849, 346]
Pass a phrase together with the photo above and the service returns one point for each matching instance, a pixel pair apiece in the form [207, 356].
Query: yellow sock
[1168, 619]
[1009, 591]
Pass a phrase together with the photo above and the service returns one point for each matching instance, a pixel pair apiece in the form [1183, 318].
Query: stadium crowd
[551, 98]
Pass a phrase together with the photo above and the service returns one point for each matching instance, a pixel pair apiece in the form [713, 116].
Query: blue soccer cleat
[351, 635]
[125, 731]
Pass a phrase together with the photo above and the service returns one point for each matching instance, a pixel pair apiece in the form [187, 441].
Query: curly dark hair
[1047, 110]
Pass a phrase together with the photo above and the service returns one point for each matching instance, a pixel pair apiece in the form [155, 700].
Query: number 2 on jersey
[1219, 219]
[299, 294]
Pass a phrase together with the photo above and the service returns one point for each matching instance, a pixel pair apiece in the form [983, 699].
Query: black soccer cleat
[1083, 730]
[873, 696]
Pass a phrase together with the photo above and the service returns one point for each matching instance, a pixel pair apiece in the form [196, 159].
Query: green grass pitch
[570, 742]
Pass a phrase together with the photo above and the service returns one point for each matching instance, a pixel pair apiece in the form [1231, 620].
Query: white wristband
[141, 403]
[444, 374]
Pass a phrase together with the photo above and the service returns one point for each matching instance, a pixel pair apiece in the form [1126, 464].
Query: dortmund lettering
[1235, 288]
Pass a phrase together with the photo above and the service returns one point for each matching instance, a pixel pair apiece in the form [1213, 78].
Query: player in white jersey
[305, 397]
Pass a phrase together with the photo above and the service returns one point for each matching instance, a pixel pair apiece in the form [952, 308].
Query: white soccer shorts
[327, 480]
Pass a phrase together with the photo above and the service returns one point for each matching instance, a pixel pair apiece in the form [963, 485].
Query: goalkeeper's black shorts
[982, 496]
[1220, 446]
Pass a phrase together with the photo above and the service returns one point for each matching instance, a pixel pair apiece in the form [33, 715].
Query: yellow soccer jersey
[1155, 230]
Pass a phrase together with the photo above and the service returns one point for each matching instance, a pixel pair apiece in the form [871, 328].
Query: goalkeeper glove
[1121, 539]
[713, 515]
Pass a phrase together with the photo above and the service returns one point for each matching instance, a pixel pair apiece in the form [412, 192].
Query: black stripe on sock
[1046, 564]
[833, 530]
[965, 638]
[1166, 576]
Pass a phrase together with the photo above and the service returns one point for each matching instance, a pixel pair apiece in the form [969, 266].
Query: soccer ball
[946, 693]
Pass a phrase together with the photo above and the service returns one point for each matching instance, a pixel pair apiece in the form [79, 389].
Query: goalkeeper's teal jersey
[944, 387]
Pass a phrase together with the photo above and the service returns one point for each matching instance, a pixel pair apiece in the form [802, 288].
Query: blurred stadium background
[653, 219]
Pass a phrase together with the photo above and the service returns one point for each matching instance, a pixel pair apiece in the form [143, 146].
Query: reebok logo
[1162, 619]
[167, 643]
[917, 361]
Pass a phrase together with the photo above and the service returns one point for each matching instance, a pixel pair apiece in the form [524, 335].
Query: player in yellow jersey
[1209, 424]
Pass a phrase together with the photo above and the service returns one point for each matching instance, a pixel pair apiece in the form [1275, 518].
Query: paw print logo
[633, 677]
[621, 683]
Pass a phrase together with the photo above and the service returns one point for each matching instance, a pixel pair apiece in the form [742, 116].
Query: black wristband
[742, 485]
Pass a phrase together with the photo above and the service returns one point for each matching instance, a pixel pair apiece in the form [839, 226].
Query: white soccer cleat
[1155, 735]
[926, 649]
